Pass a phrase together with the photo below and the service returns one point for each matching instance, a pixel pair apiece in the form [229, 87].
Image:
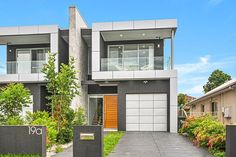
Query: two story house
[126, 69]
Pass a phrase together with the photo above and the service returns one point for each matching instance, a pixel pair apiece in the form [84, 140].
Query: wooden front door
[110, 111]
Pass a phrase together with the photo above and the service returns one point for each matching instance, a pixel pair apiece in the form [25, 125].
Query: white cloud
[195, 90]
[192, 76]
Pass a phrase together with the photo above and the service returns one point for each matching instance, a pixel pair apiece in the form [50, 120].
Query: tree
[182, 100]
[63, 87]
[216, 79]
[13, 98]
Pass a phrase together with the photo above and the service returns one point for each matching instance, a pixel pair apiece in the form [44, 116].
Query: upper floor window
[28, 60]
[130, 57]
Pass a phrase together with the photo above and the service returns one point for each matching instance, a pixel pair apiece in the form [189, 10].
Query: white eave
[23, 30]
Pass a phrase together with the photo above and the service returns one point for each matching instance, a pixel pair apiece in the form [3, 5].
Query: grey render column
[231, 141]
[78, 50]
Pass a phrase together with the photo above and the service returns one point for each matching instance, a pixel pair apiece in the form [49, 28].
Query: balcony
[22, 71]
[133, 64]
[24, 67]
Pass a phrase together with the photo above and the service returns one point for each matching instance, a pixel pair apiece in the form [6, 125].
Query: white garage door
[146, 112]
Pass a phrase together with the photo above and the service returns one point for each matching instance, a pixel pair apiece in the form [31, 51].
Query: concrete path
[156, 144]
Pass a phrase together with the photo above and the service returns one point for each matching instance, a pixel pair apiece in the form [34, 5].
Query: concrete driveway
[156, 144]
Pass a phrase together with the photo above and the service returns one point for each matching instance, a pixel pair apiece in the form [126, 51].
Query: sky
[205, 39]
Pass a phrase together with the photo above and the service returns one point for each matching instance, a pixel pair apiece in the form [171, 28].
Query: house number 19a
[34, 130]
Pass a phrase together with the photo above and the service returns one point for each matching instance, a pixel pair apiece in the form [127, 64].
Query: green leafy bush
[13, 98]
[80, 116]
[65, 135]
[14, 120]
[43, 118]
[205, 131]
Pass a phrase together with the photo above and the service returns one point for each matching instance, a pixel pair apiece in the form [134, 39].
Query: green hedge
[205, 131]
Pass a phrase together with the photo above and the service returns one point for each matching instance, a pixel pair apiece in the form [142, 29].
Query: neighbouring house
[26, 50]
[219, 102]
[128, 80]
[189, 98]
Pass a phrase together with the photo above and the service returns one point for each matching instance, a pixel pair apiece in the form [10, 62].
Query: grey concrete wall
[21, 140]
[88, 148]
[230, 140]
[138, 87]
[78, 49]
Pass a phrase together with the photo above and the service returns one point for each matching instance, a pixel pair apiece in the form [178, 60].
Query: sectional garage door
[146, 112]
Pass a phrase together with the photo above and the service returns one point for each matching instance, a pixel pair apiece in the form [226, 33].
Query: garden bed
[205, 131]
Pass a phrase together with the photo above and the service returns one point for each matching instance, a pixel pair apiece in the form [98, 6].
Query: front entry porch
[102, 110]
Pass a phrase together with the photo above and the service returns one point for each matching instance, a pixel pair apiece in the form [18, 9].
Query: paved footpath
[156, 144]
[151, 144]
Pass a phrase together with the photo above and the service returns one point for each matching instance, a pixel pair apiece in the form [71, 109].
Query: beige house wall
[225, 99]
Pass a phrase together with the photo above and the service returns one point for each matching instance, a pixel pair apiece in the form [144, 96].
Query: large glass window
[130, 57]
[30, 60]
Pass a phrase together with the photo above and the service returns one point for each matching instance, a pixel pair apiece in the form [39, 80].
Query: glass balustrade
[132, 64]
[24, 67]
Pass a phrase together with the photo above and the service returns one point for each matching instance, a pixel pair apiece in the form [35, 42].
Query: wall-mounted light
[121, 35]
[143, 34]
[158, 45]
[10, 50]
[145, 82]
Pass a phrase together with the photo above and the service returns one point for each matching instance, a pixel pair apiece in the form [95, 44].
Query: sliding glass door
[95, 116]
[130, 57]
[23, 61]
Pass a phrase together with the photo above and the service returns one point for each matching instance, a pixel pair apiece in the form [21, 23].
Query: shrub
[80, 116]
[65, 135]
[43, 118]
[13, 98]
[14, 120]
[205, 131]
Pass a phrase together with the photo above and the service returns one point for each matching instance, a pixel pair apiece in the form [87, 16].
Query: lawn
[15, 155]
[110, 141]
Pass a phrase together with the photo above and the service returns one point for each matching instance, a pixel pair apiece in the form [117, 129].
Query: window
[131, 57]
[202, 108]
[31, 60]
[214, 108]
